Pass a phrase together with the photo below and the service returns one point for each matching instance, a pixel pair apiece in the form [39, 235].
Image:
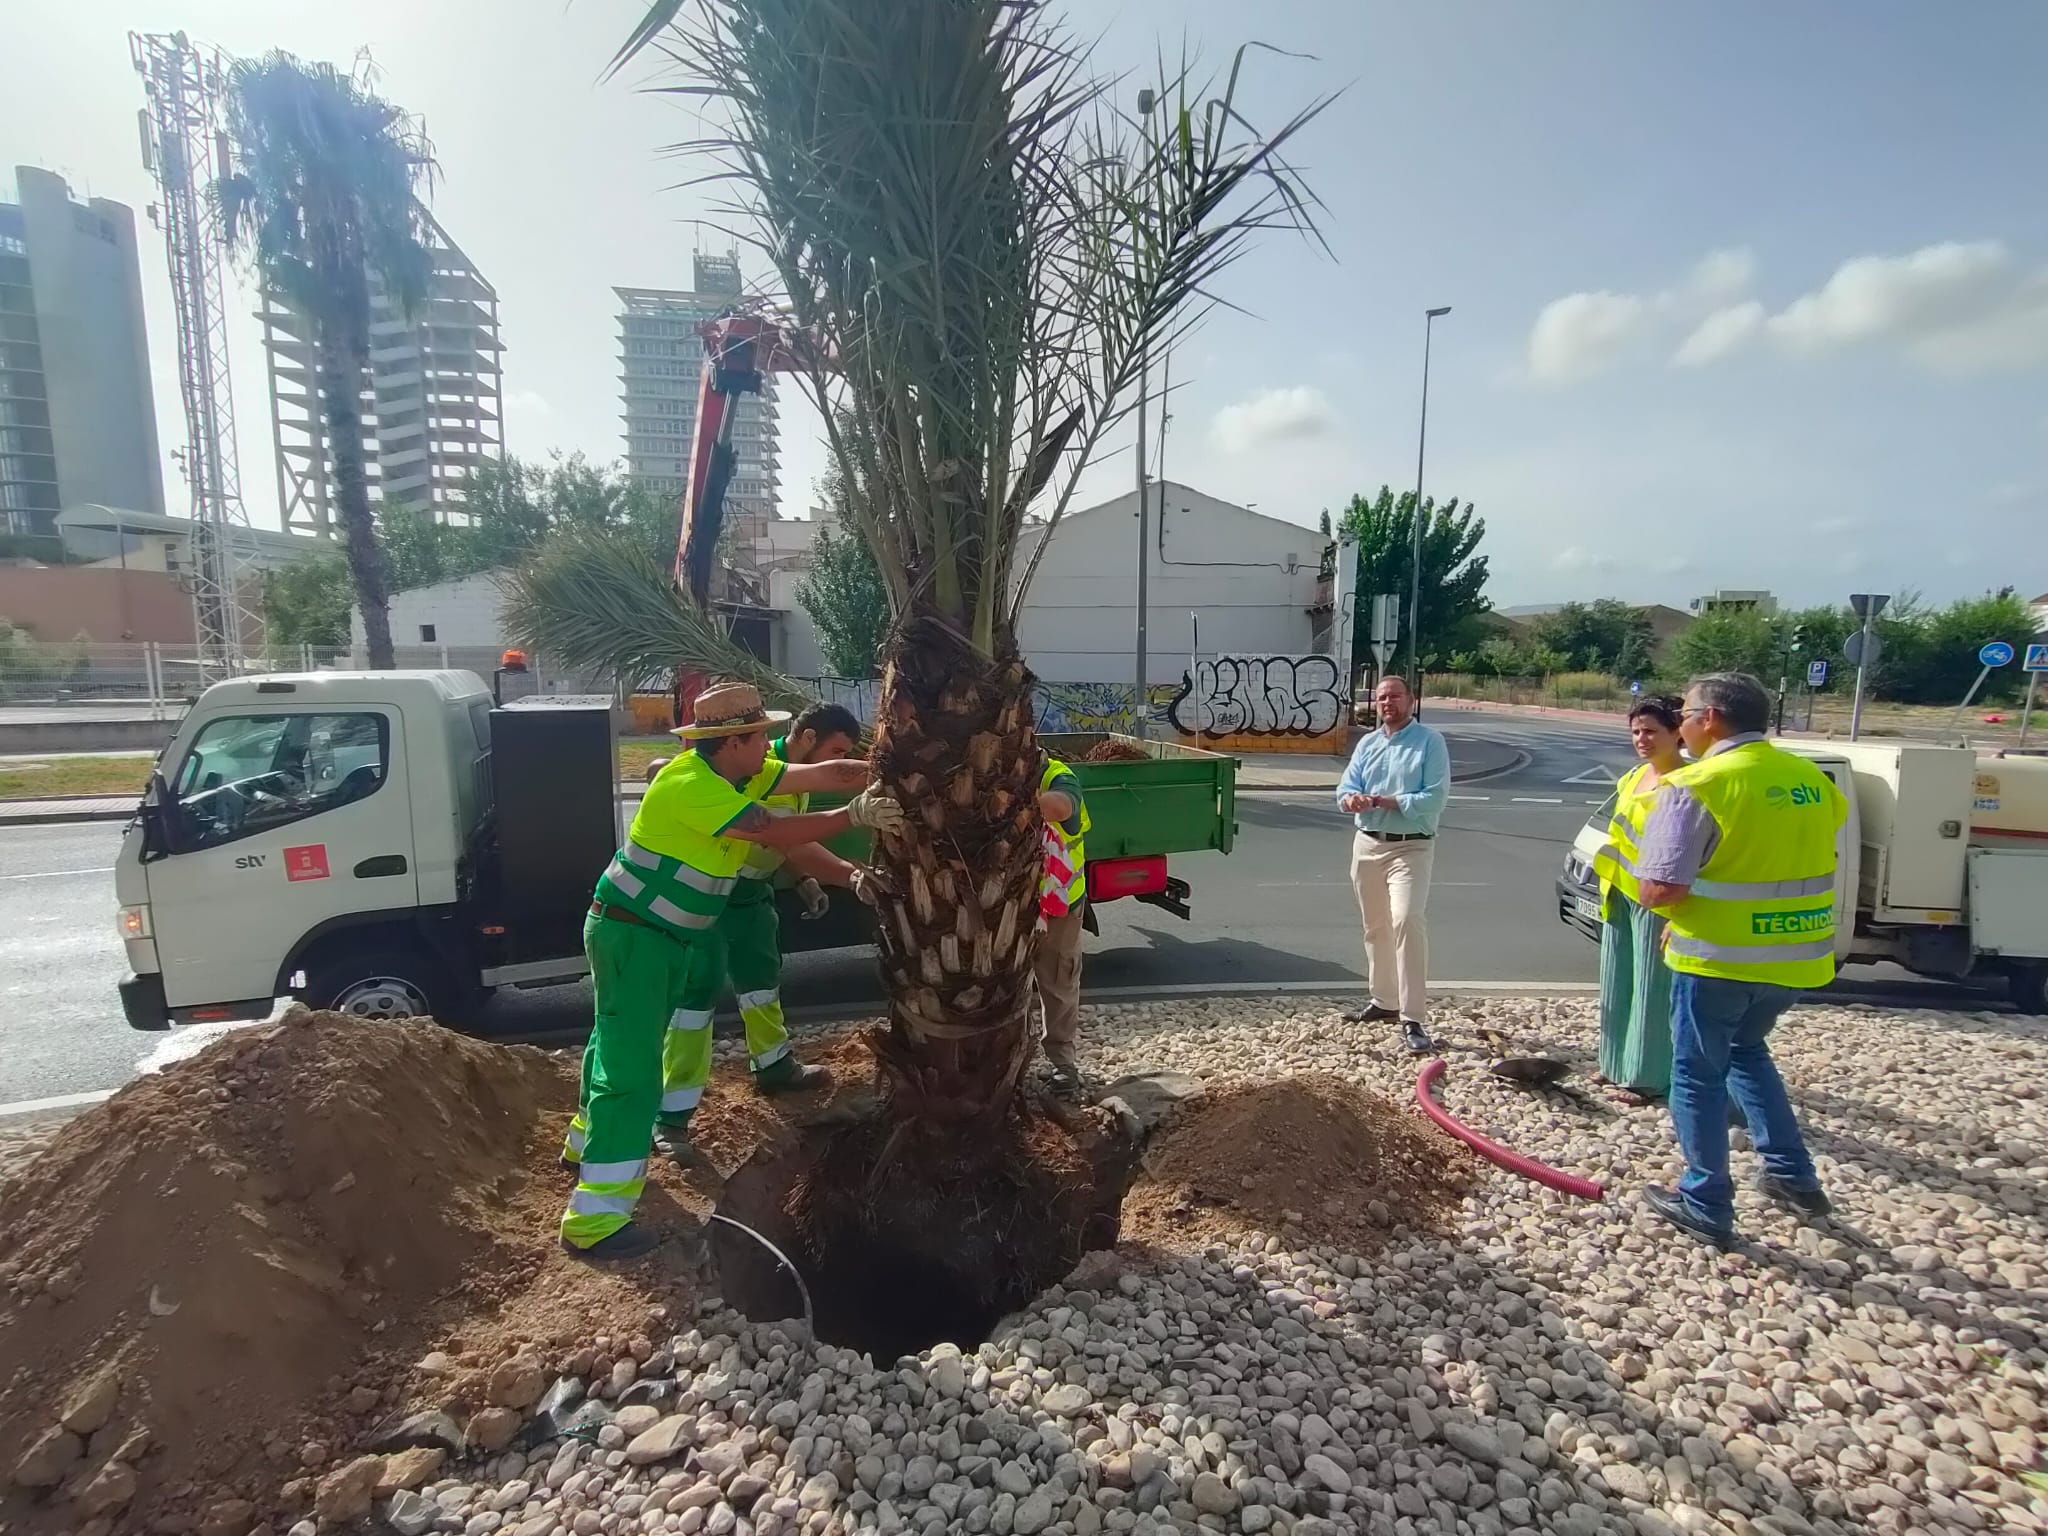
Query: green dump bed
[1177, 800]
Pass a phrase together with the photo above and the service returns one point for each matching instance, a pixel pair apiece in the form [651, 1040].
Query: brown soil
[1314, 1156]
[1114, 751]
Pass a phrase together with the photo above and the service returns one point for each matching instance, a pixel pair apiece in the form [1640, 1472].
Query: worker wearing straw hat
[649, 932]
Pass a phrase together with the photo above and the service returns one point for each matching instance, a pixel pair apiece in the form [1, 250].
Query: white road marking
[1593, 775]
[1538, 800]
[1272, 885]
[1471, 797]
[53, 874]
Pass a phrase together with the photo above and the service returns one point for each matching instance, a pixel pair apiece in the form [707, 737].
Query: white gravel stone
[1531, 1362]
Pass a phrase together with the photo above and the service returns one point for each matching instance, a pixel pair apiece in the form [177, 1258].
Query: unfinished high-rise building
[660, 358]
[431, 397]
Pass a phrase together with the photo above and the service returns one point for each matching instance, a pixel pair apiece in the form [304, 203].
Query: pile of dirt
[1110, 750]
[1315, 1156]
[211, 1265]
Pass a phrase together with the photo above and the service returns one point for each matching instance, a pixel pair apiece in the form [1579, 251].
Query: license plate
[1588, 907]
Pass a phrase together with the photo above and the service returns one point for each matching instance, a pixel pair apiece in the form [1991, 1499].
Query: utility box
[554, 772]
[1915, 800]
[2008, 915]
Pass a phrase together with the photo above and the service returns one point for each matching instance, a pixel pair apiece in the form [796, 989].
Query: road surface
[1278, 910]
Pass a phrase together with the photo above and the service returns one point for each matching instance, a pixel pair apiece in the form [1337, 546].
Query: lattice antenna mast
[182, 146]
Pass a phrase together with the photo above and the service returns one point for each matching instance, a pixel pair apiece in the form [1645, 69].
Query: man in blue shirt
[1395, 790]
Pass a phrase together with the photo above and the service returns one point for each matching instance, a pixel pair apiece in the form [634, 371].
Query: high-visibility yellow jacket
[1065, 880]
[1615, 863]
[1763, 905]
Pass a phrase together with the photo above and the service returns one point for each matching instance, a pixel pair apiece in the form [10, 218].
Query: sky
[1742, 295]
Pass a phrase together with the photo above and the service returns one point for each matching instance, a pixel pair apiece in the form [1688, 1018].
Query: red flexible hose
[1514, 1162]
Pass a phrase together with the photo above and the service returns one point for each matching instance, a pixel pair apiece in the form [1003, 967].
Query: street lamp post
[1429, 318]
[1141, 714]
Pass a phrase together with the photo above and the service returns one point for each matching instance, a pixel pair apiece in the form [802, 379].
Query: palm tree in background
[976, 248]
[320, 193]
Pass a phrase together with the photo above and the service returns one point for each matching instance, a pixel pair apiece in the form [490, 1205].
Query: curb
[63, 818]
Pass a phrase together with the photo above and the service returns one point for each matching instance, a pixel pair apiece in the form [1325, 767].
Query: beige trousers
[1392, 882]
[1058, 973]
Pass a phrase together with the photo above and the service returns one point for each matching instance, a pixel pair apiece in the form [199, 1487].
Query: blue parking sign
[1816, 674]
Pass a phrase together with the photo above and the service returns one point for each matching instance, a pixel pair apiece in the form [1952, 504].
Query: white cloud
[1583, 334]
[1573, 559]
[1723, 332]
[1274, 416]
[1723, 275]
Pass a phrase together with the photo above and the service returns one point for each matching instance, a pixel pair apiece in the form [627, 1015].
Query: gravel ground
[1545, 1365]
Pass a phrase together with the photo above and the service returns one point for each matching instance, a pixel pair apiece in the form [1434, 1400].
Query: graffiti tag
[1259, 696]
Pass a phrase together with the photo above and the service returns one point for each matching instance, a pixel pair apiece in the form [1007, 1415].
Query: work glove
[812, 895]
[867, 886]
[875, 810]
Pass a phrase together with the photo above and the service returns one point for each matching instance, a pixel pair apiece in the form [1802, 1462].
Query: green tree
[1930, 655]
[320, 192]
[308, 602]
[844, 594]
[1727, 640]
[1602, 636]
[1453, 571]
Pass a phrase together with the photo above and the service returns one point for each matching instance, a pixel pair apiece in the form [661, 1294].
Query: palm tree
[981, 250]
[978, 249]
[320, 194]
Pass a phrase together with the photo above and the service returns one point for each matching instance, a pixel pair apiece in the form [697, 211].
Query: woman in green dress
[1635, 988]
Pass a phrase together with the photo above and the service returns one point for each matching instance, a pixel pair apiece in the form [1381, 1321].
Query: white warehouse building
[1238, 581]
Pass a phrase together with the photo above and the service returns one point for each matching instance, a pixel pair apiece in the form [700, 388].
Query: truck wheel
[2029, 986]
[380, 983]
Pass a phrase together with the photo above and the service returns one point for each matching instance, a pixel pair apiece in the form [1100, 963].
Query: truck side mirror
[162, 827]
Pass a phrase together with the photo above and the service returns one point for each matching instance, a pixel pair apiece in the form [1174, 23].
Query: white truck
[387, 844]
[1943, 862]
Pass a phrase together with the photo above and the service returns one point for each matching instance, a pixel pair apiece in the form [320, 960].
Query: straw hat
[730, 709]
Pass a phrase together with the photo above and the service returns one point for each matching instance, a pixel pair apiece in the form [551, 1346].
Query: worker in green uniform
[650, 931]
[747, 942]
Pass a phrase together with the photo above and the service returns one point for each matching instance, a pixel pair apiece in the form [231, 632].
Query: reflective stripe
[614, 1173]
[629, 883]
[768, 1058]
[635, 854]
[676, 917]
[755, 872]
[585, 1202]
[761, 999]
[680, 1100]
[577, 1139]
[1763, 890]
[1749, 954]
[690, 1019]
[697, 880]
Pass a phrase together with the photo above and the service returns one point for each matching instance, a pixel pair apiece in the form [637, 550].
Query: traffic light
[1798, 638]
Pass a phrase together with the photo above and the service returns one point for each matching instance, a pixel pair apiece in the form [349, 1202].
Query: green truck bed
[1176, 800]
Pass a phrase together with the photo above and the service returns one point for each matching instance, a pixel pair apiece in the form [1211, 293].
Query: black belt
[624, 915]
[1400, 837]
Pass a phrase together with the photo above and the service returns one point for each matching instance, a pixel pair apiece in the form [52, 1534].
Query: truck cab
[333, 837]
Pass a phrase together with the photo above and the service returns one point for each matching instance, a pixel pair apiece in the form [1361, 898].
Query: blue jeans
[1718, 1044]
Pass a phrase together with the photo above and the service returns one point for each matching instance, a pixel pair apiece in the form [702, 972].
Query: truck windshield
[249, 773]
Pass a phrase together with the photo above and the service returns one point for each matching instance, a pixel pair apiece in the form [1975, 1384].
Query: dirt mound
[1110, 750]
[204, 1258]
[1312, 1155]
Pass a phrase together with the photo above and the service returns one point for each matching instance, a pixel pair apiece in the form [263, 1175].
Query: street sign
[2037, 658]
[1998, 653]
[1386, 627]
[1635, 688]
[1816, 674]
[1868, 605]
[1863, 648]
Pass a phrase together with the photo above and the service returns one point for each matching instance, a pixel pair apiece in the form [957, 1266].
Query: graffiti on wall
[1259, 696]
[1076, 708]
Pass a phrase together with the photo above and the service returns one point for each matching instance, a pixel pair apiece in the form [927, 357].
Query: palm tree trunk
[341, 373]
[954, 744]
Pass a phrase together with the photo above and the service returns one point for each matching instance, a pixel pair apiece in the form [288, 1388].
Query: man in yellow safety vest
[1062, 901]
[1739, 853]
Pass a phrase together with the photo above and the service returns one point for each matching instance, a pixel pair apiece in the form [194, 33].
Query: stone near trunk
[91, 1403]
[669, 1437]
[50, 1455]
[421, 1429]
[635, 1419]
[110, 1489]
[344, 1494]
[518, 1383]
[491, 1429]
[410, 1515]
[1212, 1496]
[1032, 1514]
[1066, 1400]
[1326, 1473]
[229, 1517]
[1475, 1442]
[409, 1469]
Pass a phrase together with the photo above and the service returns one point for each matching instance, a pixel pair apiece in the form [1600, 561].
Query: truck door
[1848, 859]
[281, 820]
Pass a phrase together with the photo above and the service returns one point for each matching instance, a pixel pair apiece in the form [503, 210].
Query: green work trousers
[745, 947]
[640, 977]
[1635, 999]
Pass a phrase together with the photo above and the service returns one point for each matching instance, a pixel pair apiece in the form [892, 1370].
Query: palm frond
[595, 602]
[985, 246]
